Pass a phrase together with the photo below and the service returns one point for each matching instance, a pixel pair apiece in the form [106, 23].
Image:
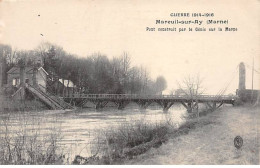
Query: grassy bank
[212, 142]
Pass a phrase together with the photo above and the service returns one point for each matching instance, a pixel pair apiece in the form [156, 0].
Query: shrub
[24, 147]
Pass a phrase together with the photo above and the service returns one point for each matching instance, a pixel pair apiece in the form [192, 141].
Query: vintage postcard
[128, 82]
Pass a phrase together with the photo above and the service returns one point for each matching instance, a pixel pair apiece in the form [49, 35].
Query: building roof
[28, 69]
[68, 83]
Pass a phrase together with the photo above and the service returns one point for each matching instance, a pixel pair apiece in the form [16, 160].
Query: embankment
[212, 143]
[7, 104]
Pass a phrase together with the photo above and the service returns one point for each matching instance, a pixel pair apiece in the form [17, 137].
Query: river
[77, 129]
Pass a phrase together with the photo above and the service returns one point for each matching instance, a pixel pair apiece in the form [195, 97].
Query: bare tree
[125, 62]
[191, 86]
[9, 54]
[145, 78]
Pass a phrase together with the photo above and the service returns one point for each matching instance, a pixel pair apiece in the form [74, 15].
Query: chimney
[22, 75]
[22, 80]
[242, 76]
[35, 70]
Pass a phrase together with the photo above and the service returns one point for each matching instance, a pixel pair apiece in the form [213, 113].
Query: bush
[28, 147]
[130, 140]
[126, 141]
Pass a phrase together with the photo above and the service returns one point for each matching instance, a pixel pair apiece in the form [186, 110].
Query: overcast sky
[114, 26]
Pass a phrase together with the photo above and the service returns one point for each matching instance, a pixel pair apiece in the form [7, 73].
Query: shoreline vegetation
[129, 141]
[11, 105]
[25, 146]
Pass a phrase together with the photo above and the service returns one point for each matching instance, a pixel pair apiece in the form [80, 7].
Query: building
[179, 92]
[61, 87]
[248, 95]
[32, 76]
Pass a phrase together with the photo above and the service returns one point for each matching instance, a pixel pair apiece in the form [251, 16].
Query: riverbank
[212, 143]
[9, 105]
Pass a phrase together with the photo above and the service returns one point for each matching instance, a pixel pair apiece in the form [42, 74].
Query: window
[16, 81]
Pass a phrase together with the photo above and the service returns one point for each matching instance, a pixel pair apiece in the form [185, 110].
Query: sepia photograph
[128, 82]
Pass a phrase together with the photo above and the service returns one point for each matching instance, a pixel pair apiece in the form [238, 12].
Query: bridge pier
[190, 106]
[213, 105]
[121, 104]
[187, 106]
[100, 104]
[166, 105]
[220, 104]
[143, 104]
[81, 103]
[196, 106]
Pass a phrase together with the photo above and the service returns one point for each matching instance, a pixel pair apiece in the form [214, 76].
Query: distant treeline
[93, 74]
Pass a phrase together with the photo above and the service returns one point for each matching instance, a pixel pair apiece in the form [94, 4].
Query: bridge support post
[84, 101]
[220, 105]
[100, 104]
[121, 104]
[166, 105]
[143, 104]
[209, 106]
[213, 106]
[196, 106]
[188, 106]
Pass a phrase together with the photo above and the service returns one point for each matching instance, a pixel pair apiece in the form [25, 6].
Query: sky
[84, 27]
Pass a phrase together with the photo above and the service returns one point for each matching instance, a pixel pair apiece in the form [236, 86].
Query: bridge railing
[137, 96]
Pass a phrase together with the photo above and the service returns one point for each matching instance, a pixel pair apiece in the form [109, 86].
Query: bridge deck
[166, 101]
[200, 98]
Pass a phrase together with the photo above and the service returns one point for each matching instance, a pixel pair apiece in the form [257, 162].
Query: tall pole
[253, 75]
[252, 81]
[1, 73]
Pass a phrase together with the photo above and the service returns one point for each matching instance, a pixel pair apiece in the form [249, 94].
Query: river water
[77, 129]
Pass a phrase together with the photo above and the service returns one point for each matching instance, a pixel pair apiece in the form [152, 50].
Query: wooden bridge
[122, 100]
[165, 101]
